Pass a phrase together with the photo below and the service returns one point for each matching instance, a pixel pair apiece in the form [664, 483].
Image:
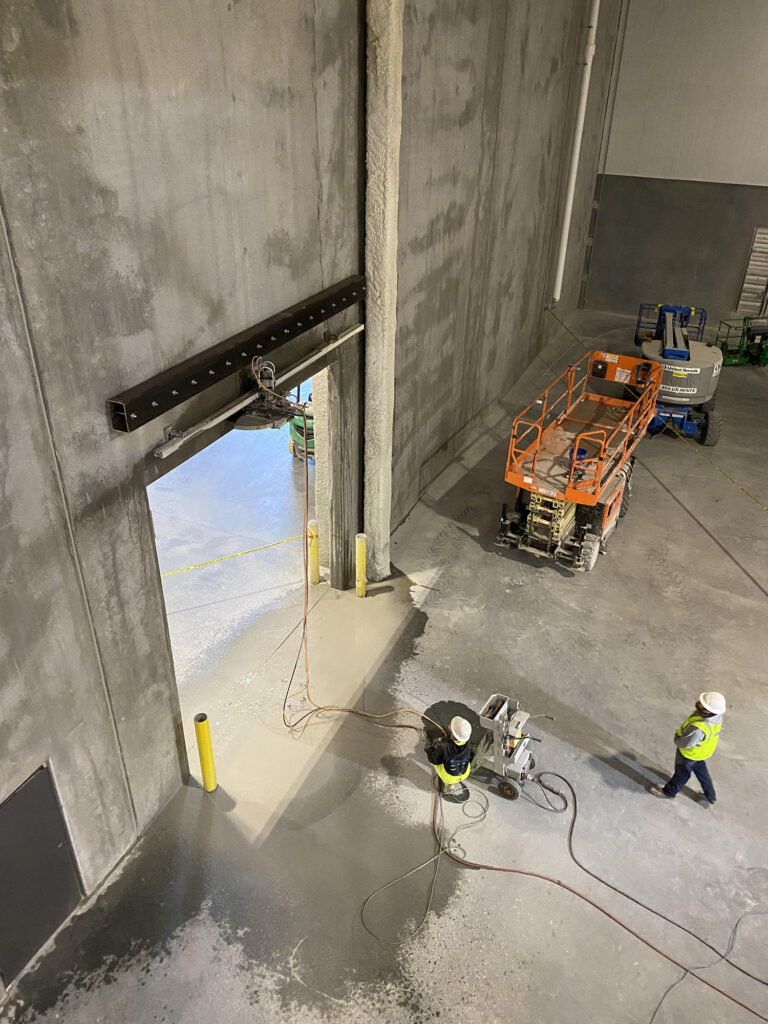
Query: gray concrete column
[337, 413]
[383, 127]
[343, 399]
[322, 463]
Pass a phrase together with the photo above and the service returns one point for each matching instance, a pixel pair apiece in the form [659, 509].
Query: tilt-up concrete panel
[168, 180]
[488, 102]
[54, 705]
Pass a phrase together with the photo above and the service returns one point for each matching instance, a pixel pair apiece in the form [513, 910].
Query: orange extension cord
[569, 888]
[297, 725]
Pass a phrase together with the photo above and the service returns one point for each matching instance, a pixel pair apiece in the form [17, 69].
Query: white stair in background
[754, 290]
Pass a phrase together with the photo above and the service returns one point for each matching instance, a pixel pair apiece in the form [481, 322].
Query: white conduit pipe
[578, 134]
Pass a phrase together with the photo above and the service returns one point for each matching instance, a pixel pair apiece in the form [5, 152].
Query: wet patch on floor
[198, 890]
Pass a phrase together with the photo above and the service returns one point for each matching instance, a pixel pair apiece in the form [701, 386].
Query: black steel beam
[144, 402]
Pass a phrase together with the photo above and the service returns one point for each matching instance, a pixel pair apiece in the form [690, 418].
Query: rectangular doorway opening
[228, 528]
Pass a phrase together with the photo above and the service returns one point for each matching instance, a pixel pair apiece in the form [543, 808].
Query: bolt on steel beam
[146, 401]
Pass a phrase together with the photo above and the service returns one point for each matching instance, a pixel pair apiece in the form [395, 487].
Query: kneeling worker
[451, 758]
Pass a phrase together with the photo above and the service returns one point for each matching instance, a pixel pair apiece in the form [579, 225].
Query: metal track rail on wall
[177, 438]
[145, 402]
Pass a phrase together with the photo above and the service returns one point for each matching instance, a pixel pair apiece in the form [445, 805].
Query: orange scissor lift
[571, 457]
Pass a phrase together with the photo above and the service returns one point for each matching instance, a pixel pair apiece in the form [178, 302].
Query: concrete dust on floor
[245, 904]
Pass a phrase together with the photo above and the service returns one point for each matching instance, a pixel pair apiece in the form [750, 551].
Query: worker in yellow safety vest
[696, 739]
[451, 757]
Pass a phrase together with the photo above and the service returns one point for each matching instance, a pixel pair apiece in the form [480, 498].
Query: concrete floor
[245, 905]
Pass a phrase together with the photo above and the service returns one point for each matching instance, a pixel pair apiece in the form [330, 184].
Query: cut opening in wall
[229, 535]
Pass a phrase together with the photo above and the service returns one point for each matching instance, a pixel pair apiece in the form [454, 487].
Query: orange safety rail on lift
[572, 441]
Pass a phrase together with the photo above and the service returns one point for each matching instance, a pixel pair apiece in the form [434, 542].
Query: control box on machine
[503, 755]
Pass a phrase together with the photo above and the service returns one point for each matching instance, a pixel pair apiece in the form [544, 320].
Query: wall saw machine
[502, 757]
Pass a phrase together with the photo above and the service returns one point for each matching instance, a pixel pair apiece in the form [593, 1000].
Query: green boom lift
[744, 341]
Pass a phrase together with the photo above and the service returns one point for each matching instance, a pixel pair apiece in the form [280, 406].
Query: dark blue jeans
[683, 768]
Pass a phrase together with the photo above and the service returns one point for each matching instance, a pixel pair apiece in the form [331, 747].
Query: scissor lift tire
[626, 497]
[590, 550]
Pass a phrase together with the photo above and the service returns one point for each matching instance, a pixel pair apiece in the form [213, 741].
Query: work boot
[658, 791]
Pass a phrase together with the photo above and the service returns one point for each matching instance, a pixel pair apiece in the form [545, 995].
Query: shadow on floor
[437, 719]
[335, 841]
[473, 508]
[182, 863]
[410, 768]
[627, 772]
[331, 846]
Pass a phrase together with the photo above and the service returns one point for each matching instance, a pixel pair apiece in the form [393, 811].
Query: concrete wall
[690, 105]
[487, 121]
[662, 240]
[168, 179]
[692, 92]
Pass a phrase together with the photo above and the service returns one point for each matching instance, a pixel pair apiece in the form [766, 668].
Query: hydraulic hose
[480, 866]
[615, 888]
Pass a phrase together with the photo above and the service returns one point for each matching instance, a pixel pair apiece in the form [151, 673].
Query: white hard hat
[461, 730]
[713, 701]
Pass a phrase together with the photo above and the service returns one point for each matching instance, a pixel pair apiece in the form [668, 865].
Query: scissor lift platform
[571, 453]
[589, 420]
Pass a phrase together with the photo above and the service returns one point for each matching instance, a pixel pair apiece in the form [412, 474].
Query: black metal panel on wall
[146, 401]
[39, 885]
[663, 240]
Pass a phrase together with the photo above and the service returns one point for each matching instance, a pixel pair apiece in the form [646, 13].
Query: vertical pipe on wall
[578, 133]
[383, 126]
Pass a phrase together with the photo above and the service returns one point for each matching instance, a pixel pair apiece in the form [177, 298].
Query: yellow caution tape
[719, 469]
[695, 447]
[226, 558]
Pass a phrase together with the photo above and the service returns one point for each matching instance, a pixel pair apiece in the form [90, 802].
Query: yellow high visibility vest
[447, 777]
[700, 751]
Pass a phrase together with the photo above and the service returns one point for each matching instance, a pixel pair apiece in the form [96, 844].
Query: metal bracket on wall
[145, 402]
[175, 438]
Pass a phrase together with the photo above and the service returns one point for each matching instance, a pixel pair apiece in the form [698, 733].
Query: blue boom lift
[671, 335]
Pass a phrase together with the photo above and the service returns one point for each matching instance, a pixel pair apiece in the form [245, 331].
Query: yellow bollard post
[360, 568]
[313, 552]
[205, 750]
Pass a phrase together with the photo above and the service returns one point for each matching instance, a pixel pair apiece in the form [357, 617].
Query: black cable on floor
[480, 866]
[475, 818]
[704, 967]
[598, 878]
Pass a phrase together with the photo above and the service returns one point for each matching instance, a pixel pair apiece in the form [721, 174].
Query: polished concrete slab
[245, 905]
